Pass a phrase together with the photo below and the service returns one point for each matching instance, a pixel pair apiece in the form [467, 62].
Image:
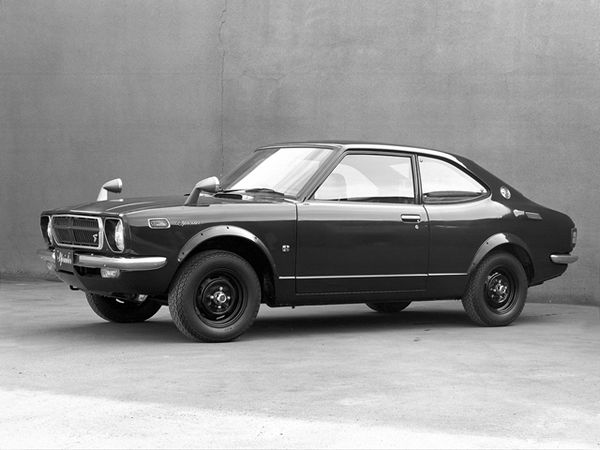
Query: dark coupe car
[312, 223]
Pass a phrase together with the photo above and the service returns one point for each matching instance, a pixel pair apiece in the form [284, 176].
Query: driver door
[362, 230]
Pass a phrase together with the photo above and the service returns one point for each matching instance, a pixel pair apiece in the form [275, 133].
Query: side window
[443, 183]
[370, 178]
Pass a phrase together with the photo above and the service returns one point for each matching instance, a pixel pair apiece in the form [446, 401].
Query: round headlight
[119, 236]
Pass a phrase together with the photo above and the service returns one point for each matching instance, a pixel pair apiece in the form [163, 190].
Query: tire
[497, 291]
[113, 310]
[388, 308]
[215, 297]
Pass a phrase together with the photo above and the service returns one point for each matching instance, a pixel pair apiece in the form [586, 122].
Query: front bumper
[135, 275]
[563, 259]
[109, 262]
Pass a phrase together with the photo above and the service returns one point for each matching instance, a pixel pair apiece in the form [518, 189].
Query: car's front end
[100, 251]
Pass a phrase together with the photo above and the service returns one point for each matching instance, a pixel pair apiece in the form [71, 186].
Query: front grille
[77, 231]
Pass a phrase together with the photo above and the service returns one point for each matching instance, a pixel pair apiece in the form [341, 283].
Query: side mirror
[211, 184]
[115, 186]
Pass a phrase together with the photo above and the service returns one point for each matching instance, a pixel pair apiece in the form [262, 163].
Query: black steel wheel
[220, 299]
[115, 310]
[215, 297]
[500, 290]
[497, 290]
[388, 308]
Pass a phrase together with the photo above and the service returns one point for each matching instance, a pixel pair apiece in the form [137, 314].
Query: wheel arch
[505, 242]
[241, 242]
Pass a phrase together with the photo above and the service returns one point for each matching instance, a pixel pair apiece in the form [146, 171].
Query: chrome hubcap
[220, 298]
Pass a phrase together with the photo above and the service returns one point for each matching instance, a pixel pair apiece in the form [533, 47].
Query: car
[312, 223]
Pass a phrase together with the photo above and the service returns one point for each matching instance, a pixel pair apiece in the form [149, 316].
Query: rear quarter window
[442, 182]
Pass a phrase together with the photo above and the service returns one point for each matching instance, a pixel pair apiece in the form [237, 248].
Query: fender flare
[224, 231]
[493, 242]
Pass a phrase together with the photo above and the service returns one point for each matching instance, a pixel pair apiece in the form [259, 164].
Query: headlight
[115, 234]
[573, 237]
[119, 236]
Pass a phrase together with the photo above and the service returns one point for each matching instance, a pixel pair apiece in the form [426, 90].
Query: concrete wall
[164, 93]
[92, 90]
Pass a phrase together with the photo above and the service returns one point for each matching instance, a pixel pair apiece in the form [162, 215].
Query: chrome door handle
[411, 218]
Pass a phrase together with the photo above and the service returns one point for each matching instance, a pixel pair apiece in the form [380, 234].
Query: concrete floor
[340, 376]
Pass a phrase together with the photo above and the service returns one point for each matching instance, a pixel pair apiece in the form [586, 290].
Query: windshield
[278, 170]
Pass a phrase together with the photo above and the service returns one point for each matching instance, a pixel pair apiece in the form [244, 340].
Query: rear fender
[494, 242]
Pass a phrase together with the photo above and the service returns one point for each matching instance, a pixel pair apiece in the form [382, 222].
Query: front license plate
[64, 260]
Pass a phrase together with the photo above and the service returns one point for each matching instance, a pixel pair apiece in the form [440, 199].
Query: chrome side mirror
[210, 184]
[115, 186]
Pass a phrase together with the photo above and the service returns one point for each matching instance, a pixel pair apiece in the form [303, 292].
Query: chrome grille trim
[71, 230]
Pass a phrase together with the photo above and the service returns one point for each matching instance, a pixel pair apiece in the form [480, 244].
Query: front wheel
[497, 291]
[215, 297]
[388, 308]
[115, 310]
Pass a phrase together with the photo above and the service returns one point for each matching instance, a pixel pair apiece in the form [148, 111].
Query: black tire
[497, 291]
[388, 308]
[215, 296]
[113, 310]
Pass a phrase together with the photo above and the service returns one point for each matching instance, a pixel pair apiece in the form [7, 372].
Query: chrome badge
[505, 192]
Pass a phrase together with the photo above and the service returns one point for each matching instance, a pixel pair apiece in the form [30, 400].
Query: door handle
[411, 218]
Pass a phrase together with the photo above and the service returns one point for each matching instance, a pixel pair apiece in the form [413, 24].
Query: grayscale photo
[331, 224]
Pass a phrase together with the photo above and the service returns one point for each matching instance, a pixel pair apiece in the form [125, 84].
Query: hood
[122, 205]
[128, 205]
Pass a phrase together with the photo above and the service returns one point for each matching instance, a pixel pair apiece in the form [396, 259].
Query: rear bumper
[563, 259]
[110, 262]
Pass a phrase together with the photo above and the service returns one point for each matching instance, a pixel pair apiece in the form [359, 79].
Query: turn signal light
[159, 223]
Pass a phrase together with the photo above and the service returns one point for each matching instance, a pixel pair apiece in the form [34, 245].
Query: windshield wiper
[266, 190]
[261, 190]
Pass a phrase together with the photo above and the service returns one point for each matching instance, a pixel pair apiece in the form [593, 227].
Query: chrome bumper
[110, 262]
[563, 259]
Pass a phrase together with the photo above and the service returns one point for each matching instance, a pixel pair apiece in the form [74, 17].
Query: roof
[348, 145]
[491, 180]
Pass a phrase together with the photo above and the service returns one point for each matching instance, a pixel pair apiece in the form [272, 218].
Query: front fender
[221, 231]
[495, 241]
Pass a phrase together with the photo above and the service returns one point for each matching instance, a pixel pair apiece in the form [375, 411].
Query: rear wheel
[115, 310]
[388, 308]
[215, 297]
[497, 291]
